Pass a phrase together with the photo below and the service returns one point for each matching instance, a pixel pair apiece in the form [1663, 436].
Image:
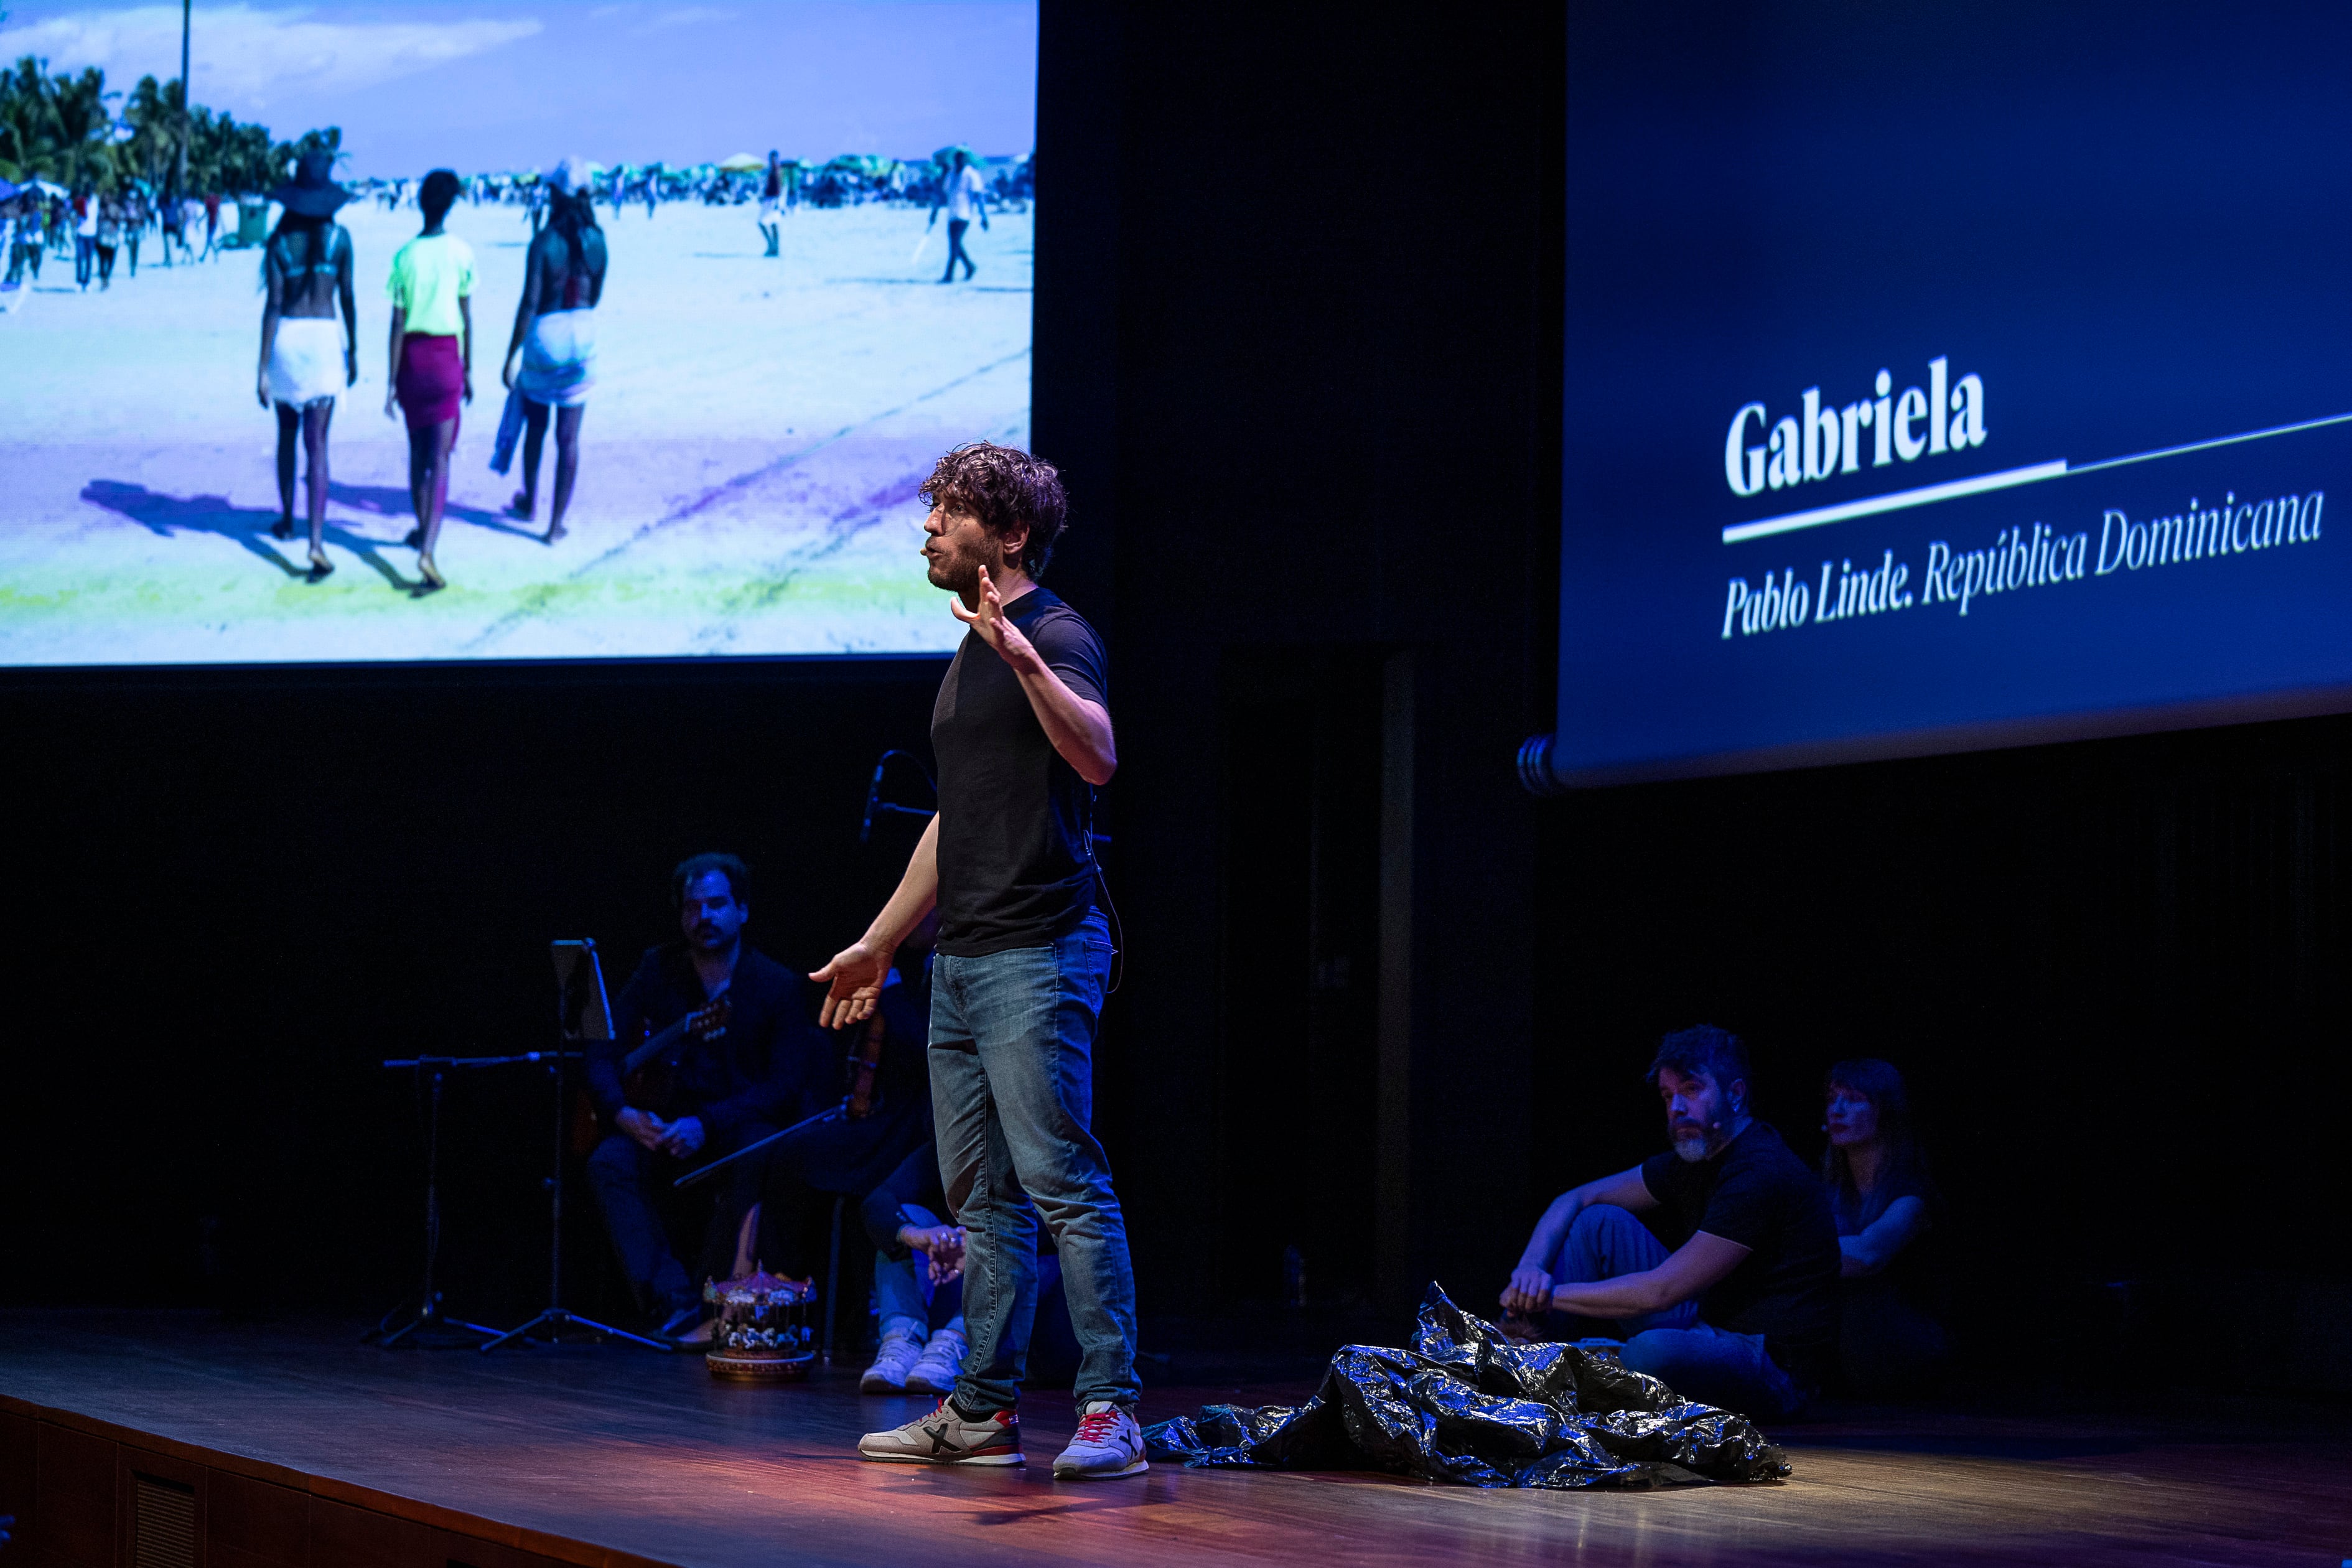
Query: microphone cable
[1110, 906]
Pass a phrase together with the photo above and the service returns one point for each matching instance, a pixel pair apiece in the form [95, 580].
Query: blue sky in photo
[516, 84]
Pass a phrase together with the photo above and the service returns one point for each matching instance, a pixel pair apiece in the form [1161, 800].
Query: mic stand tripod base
[555, 1320]
[428, 1323]
[550, 1323]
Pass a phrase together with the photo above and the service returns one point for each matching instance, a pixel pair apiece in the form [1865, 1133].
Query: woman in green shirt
[432, 359]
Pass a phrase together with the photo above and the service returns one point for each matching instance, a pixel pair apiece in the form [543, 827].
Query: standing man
[135, 219]
[965, 196]
[1021, 730]
[85, 238]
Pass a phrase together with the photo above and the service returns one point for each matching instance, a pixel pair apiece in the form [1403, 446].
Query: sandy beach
[749, 457]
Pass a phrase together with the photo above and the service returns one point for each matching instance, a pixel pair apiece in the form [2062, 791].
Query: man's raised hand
[988, 619]
[853, 983]
[994, 628]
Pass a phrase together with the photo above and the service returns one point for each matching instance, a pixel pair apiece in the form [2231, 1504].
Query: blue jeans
[904, 1296]
[956, 253]
[1689, 1355]
[1012, 1040]
[632, 1187]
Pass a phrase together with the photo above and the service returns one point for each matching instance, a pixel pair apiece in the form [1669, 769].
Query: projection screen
[1942, 376]
[767, 367]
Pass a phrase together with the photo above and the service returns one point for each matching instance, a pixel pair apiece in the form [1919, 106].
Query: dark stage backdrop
[1298, 339]
[231, 895]
[2114, 973]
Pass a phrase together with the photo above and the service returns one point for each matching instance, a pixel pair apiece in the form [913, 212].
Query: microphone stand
[427, 1321]
[874, 801]
[557, 1317]
[703, 1172]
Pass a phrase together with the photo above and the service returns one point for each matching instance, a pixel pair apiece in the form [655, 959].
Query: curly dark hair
[1004, 487]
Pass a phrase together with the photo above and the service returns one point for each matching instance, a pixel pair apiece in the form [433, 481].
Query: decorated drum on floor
[763, 1333]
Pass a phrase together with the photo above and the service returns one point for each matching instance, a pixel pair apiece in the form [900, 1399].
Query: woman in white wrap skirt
[308, 354]
[555, 336]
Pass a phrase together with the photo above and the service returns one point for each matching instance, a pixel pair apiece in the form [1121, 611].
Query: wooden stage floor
[303, 1448]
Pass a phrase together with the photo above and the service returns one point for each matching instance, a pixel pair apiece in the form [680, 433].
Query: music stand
[583, 1014]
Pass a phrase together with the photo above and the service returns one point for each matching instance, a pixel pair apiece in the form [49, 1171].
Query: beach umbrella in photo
[743, 163]
[7, 190]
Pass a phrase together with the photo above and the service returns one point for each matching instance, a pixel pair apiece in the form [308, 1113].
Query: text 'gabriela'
[1821, 442]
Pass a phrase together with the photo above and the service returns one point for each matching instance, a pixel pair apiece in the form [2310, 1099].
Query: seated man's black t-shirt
[767, 1064]
[1757, 1194]
[1015, 866]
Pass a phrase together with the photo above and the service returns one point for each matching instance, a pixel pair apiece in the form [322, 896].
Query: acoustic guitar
[645, 1070]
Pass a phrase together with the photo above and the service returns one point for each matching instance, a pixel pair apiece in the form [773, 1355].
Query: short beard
[957, 573]
[1691, 1149]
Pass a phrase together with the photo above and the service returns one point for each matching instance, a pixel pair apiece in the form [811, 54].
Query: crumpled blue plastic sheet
[1466, 1405]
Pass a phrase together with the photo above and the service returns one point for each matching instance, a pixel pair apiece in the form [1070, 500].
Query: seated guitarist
[735, 1072]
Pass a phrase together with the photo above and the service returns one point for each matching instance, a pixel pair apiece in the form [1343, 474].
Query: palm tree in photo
[83, 123]
[152, 113]
[56, 127]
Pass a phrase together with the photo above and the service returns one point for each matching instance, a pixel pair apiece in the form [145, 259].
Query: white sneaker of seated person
[935, 1369]
[946, 1437]
[897, 1356]
[1109, 1444]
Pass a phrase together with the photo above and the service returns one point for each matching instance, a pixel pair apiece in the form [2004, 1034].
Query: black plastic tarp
[1466, 1405]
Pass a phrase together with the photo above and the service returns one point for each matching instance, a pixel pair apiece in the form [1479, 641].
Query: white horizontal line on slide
[2032, 473]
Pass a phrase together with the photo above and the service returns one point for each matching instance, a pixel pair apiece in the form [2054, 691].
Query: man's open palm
[854, 983]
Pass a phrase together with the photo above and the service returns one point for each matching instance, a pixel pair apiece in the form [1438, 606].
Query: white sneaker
[1109, 1444]
[892, 1362]
[945, 1437]
[934, 1371]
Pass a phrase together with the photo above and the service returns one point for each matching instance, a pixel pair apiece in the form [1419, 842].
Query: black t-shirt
[1757, 1194]
[765, 1068]
[1015, 861]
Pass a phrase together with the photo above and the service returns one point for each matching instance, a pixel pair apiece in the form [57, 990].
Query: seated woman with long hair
[1891, 1334]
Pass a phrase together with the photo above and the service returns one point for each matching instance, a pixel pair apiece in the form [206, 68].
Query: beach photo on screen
[780, 257]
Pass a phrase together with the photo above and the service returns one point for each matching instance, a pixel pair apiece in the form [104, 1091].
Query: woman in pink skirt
[432, 357]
